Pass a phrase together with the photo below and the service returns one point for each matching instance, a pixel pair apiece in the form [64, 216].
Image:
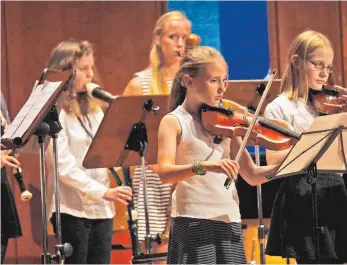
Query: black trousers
[91, 239]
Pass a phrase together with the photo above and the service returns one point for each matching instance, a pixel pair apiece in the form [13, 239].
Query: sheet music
[30, 110]
[325, 143]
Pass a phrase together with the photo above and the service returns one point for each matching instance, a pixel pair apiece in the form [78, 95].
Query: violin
[250, 124]
[329, 100]
[231, 119]
[192, 40]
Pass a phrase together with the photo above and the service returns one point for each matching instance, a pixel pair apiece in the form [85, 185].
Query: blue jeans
[91, 239]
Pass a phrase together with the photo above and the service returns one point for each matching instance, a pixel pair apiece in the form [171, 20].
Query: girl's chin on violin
[217, 100]
[213, 101]
[317, 85]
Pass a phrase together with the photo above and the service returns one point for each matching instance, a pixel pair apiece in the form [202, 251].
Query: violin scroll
[192, 41]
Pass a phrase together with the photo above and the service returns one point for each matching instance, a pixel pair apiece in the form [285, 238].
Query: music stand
[34, 111]
[127, 136]
[321, 149]
[248, 93]
[34, 118]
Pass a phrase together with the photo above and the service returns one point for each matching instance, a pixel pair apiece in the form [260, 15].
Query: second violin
[329, 100]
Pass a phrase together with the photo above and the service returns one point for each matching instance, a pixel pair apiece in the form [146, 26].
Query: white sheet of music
[310, 145]
[31, 109]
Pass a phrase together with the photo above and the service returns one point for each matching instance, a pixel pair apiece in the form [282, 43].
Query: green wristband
[198, 169]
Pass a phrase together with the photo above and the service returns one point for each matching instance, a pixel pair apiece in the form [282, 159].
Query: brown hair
[62, 58]
[191, 65]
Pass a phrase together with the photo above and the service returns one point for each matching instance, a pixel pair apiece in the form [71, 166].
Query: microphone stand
[51, 126]
[61, 250]
[262, 230]
[132, 214]
[138, 142]
[41, 132]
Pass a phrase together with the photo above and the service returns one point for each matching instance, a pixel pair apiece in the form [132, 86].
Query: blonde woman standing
[168, 47]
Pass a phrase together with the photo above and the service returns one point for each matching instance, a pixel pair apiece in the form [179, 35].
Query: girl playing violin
[206, 224]
[169, 44]
[309, 66]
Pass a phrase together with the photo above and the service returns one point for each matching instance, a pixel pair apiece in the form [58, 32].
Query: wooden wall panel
[4, 72]
[286, 19]
[343, 14]
[121, 33]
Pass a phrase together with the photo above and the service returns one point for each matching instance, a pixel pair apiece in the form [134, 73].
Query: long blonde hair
[62, 58]
[158, 84]
[191, 65]
[303, 46]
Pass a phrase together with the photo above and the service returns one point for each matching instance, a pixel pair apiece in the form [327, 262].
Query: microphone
[99, 93]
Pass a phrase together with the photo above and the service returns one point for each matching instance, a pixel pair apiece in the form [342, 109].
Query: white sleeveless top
[203, 197]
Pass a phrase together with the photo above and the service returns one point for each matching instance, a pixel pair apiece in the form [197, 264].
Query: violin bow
[250, 128]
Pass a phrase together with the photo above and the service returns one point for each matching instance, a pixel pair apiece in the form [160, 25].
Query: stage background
[253, 36]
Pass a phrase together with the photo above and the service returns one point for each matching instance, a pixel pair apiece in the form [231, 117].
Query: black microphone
[99, 93]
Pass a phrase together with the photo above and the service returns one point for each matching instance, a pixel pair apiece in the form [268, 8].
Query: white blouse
[296, 113]
[81, 189]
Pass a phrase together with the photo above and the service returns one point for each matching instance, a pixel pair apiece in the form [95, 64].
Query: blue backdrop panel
[244, 38]
[205, 19]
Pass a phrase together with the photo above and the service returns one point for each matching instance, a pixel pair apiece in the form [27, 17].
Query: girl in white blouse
[309, 66]
[87, 201]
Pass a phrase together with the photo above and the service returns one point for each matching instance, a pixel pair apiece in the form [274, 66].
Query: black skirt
[10, 226]
[291, 230]
[201, 241]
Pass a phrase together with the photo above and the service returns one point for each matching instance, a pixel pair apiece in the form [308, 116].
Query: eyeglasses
[320, 66]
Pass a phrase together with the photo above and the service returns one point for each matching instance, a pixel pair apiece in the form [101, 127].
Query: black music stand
[128, 136]
[322, 149]
[35, 118]
[248, 93]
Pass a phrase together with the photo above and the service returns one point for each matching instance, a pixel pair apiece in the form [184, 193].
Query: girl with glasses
[309, 67]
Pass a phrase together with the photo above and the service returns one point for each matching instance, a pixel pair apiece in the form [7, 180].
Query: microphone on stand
[99, 93]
